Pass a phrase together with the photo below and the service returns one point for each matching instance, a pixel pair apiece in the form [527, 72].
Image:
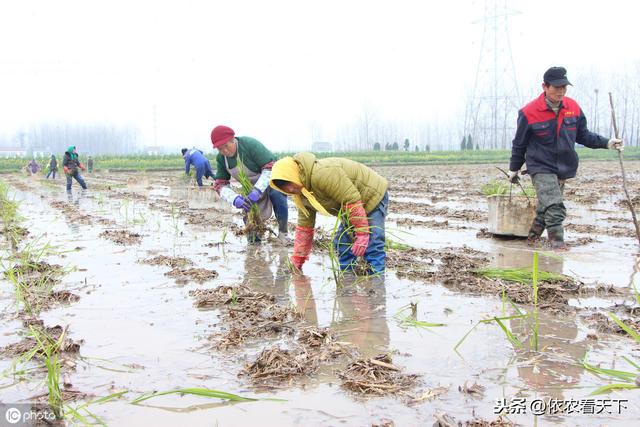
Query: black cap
[556, 76]
[184, 150]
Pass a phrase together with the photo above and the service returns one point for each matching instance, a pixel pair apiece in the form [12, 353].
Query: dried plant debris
[15, 230]
[72, 213]
[455, 269]
[603, 324]
[29, 269]
[51, 334]
[429, 394]
[446, 420]
[323, 344]
[476, 390]
[40, 299]
[211, 298]
[163, 260]
[245, 314]
[186, 275]
[376, 377]
[281, 366]
[121, 237]
[385, 422]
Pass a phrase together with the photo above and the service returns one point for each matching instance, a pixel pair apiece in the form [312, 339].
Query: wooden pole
[624, 176]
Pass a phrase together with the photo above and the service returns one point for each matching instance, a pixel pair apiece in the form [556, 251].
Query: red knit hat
[220, 135]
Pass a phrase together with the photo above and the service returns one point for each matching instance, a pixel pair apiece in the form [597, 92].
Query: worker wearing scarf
[335, 186]
[71, 164]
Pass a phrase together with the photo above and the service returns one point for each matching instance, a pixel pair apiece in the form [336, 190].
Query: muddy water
[142, 332]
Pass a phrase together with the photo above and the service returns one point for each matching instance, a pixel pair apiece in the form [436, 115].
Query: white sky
[271, 69]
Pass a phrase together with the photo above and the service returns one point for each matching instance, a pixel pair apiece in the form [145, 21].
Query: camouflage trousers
[551, 211]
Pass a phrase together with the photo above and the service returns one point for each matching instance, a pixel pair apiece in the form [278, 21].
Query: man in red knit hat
[243, 153]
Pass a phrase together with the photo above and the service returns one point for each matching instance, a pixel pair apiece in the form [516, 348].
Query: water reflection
[513, 257]
[74, 199]
[556, 367]
[359, 311]
[258, 270]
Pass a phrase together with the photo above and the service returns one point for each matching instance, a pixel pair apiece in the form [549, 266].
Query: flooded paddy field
[150, 286]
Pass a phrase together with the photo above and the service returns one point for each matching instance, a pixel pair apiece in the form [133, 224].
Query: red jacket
[546, 141]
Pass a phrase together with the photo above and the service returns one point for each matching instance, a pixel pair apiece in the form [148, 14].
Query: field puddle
[418, 328]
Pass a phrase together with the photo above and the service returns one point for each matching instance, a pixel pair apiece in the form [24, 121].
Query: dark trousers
[204, 171]
[279, 202]
[551, 211]
[78, 178]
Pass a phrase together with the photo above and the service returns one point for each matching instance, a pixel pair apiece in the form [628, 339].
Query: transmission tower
[490, 116]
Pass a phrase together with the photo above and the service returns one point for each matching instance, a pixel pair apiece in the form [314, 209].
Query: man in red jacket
[548, 128]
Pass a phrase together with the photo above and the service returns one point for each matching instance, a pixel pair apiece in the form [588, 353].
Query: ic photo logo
[13, 415]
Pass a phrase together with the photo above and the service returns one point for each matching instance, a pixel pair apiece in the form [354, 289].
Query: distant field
[143, 162]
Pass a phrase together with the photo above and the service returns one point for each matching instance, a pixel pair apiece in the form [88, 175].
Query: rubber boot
[535, 232]
[556, 238]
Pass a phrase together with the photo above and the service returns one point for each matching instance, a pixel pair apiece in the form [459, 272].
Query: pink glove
[360, 244]
[358, 218]
[302, 246]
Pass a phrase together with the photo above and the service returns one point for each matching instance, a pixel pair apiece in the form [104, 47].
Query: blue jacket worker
[200, 163]
[547, 131]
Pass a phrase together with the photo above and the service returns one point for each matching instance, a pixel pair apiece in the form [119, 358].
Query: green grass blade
[632, 363]
[626, 328]
[610, 387]
[512, 338]
[625, 376]
[197, 392]
[465, 336]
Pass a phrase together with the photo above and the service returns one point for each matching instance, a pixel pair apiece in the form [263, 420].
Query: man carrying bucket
[336, 187]
[548, 128]
[243, 155]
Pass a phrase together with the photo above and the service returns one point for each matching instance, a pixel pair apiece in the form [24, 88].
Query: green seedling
[628, 378]
[200, 392]
[407, 316]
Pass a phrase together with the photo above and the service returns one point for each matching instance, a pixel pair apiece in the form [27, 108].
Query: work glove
[360, 244]
[302, 245]
[615, 144]
[254, 195]
[241, 202]
[360, 222]
[513, 177]
[66, 170]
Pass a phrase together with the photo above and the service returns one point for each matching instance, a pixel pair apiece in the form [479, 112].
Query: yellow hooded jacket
[329, 184]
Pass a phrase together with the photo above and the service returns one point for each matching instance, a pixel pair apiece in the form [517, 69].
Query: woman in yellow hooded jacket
[330, 186]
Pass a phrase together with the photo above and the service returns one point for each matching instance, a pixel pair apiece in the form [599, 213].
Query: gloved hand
[615, 144]
[254, 195]
[513, 177]
[82, 167]
[297, 261]
[302, 246]
[66, 170]
[360, 244]
[241, 202]
[360, 222]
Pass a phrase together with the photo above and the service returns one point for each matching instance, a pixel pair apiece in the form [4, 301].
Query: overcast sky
[272, 69]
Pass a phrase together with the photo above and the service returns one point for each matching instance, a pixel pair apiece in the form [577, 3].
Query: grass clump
[497, 187]
[522, 275]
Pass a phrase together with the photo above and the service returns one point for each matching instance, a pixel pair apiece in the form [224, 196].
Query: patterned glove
[360, 222]
[302, 245]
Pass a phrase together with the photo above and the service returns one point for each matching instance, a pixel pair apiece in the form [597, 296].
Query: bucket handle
[511, 184]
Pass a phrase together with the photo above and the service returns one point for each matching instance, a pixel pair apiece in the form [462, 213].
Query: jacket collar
[541, 104]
